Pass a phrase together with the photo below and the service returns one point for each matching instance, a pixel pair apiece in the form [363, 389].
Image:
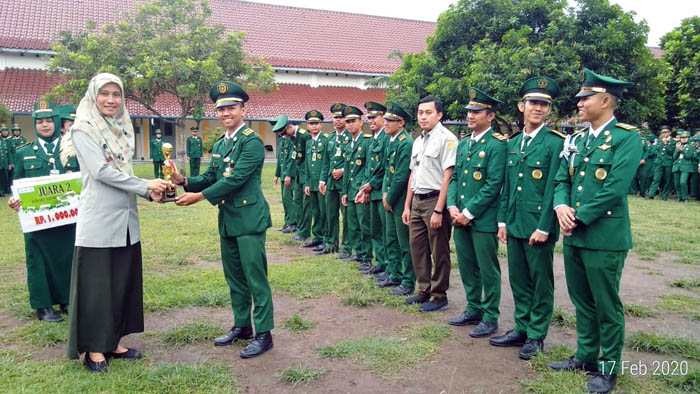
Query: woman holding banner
[106, 297]
[49, 251]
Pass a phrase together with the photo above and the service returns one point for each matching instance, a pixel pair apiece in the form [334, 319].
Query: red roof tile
[307, 38]
[21, 88]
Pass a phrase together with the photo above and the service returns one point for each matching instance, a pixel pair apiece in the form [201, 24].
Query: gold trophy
[168, 169]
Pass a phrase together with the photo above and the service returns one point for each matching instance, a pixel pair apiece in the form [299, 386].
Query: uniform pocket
[244, 201]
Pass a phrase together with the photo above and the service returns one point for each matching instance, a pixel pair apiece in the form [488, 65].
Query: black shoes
[416, 299]
[365, 266]
[381, 277]
[434, 306]
[602, 383]
[313, 244]
[48, 315]
[64, 309]
[299, 238]
[292, 228]
[322, 251]
[344, 255]
[511, 338]
[129, 354]
[463, 319]
[259, 345]
[531, 348]
[388, 282]
[286, 226]
[235, 334]
[93, 366]
[376, 270]
[573, 364]
[402, 291]
[484, 329]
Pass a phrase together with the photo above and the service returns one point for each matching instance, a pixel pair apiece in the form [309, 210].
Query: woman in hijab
[106, 296]
[48, 252]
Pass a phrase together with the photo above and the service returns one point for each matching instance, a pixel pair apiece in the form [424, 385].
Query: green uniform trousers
[158, 169]
[358, 227]
[287, 218]
[49, 255]
[635, 186]
[532, 282]
[245, 269]
[593, 280]
[332, 207]
[194, 166]
[4, 181]
[646, 177]
[317, 211]
[399, 265]
[298, 203]
[346, 244]
[288, 203]
[681, 181]
[477, 257]
[305, 217]
[377, 224]
[662, 181]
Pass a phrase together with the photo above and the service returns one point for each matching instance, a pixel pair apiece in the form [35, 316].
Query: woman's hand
[158, 185]
[14, 203]
[156, 196]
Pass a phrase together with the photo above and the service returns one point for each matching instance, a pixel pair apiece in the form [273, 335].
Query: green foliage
[297, 323]
[5, 115]
[664, 344]
[388, 355]
[42, 334]
[638, 310]
[563, 319]
[682, 304]
[682, 57]
[496, 45]
[688, 383]
[548, 381]
[299, 374]
[685, 283]
[212, 136]
[190, 333]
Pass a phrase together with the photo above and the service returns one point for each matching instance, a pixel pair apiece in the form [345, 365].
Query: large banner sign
[48, 201]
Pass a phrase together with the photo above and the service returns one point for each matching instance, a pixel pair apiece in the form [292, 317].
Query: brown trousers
[426, 242]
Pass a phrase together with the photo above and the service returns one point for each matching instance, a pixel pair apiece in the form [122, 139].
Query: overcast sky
[662, 16]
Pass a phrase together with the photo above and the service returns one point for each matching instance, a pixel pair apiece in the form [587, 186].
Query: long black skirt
[106, 298]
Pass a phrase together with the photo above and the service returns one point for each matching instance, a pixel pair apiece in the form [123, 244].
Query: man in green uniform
[695, 179]
[194, 151]
[7, 159]
[399, 265]
[372, 189]
[355, 175]
[157, 155]
[17, 138]
[67, 114]
[232, 182]
[648, 162]
[684, 165]
[526, 221]
[299, 137]
[590, 200]
[472, 201]
[664, 164]
[315, 150]
[283, 152]
[331, 183]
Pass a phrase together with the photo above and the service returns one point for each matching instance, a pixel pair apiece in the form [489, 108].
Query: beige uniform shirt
[432, 154]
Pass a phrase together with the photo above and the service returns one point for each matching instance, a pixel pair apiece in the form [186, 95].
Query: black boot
[234, 334]
[259, 345]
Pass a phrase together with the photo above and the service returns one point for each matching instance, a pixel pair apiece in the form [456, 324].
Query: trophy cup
[168, 170]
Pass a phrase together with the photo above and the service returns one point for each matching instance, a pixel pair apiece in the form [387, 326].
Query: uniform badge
[482, 154]
[43, 105]
[537, 174]
[601, 174]
[604, 147]
[318, 156]
[477, 175]
[227, 172]
[542, 83]
[472, 94]
[222, 88]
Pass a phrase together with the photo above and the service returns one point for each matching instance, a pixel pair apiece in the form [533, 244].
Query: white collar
[227, 136]
[476, 137]
[395, 135]
[597, 131]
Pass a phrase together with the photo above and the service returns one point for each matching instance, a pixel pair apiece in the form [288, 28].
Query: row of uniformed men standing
[193, 150]
[521, 190]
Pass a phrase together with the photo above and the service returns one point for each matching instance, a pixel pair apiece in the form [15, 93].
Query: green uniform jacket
[7, 153]
[595, 183]
[157, 150]
[232, 181]
[685, 160]
[649, 154]
[477, 179]
[72, 164]
[528, 189]
[18, 141]
[194, 147]
[315, 152]
[664, 153]
[355, 173]
[296, 167]
[334, 160]
[31, 161]
[396, 168]
[375, 164]
[282, 157]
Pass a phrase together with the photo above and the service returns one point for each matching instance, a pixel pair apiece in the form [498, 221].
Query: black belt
[432, 194]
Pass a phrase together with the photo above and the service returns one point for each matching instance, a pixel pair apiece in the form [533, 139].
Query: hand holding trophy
[169, 170]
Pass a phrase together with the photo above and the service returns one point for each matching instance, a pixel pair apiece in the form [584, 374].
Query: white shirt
[432, 154]
[43, 144]
[532, 136]
[231, 135]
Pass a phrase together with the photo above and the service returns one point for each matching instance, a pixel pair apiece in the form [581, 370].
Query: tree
[495, 45]
[682, 75]
[5, 115]
[164, 48]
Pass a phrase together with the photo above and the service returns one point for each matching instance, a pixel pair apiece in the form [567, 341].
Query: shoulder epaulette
[247, 132]
[579, 131]
[23, 145]
[368, 135]
[499, 136]
[557, 132]
[625, 126]
[221, 136]
[402, 137]
[302, 131]
[510, 137]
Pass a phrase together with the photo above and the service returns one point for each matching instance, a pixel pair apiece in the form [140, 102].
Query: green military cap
[3, 127]
[593, 83]
[374, 109]
[44, 109]
[395, 112]
[650, 137]
[314, 116]
[158, 131]
[226, 93]
[665, 129]
[683, 133]
[337, 110]
[479, 100]
[194, 128]
[16, 127]
[540, 89]
[67, 111]
[279, 123]
[350, 112]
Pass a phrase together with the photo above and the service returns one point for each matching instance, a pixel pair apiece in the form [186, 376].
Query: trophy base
[169, 196]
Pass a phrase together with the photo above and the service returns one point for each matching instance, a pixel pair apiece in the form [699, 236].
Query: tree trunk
[181, 147]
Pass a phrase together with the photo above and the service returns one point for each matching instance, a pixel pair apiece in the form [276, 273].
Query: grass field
[186, 297]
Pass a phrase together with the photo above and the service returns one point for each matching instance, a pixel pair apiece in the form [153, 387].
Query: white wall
[25, 60]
